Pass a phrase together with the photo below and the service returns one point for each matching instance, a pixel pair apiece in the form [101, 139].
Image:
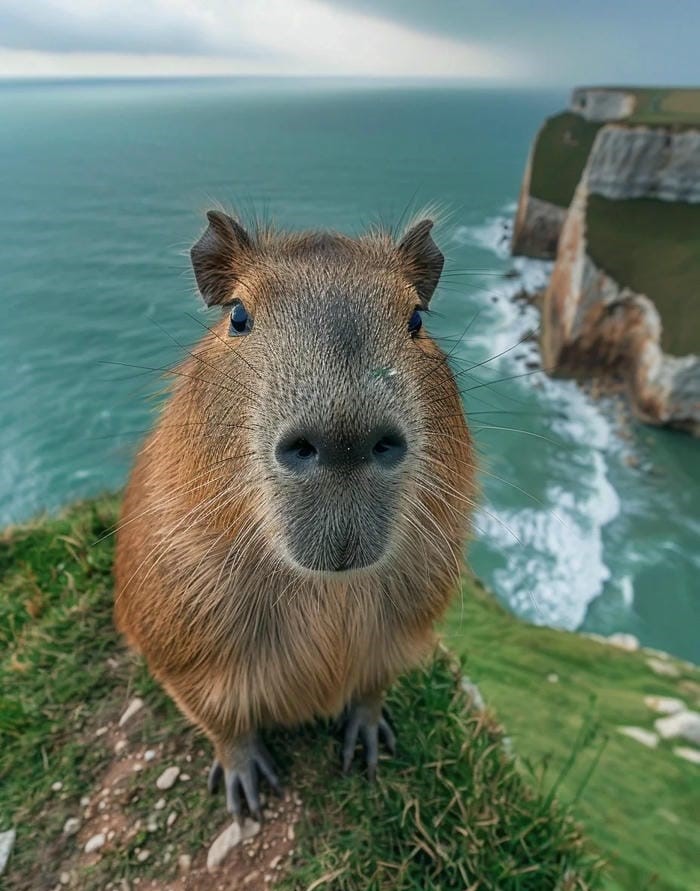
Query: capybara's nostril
[389, 449]
[296, 453]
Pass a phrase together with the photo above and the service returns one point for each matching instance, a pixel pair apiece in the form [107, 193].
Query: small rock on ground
[645, 737]
[624, 641]
[184, 862]
[167, 779]
[664, 705]
[71, 826]
[226, 841]
[663, 668]
[683, 724]
[95, 843]
[7, 842]
[685, 752]
[132, 708]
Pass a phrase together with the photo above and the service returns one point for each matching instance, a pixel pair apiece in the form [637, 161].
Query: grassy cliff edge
[453, 810]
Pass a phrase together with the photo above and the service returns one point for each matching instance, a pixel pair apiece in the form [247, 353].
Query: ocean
[588, 521]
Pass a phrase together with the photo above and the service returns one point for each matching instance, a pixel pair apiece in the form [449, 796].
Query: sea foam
[551, 556]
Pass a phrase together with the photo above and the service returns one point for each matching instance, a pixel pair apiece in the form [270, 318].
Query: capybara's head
[346, 418]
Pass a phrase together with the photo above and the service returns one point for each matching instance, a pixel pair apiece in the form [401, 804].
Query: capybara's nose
[304, 451]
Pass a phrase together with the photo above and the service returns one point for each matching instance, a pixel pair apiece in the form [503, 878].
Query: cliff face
[602, 105]
[592, 326]
[625, 162]
[641, 162]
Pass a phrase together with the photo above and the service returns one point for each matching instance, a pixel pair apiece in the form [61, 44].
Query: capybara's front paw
[245, 762]
[368, 720]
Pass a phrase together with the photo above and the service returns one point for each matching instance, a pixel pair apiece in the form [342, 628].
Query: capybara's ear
[422, 259]
[219, 256]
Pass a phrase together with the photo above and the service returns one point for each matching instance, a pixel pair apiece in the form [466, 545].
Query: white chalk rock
[692, 755]
[132, 708]
[184, 862]
[95, 843]
[71, 826]
[685, 725]
[664, 705]
[167, 779]
[224, 843]
[645, 737]
[662, 667]
[624, 641]
[7, 843]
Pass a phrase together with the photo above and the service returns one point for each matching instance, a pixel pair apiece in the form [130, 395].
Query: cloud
[296, 37]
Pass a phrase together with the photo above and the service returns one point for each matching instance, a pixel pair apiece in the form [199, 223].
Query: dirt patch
[255, 864]
[127, 834]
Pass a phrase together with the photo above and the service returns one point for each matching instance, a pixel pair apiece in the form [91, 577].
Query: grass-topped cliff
[453, 810]
[565, 139]
[611, 193]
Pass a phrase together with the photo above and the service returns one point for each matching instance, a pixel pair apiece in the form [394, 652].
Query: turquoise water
[103, 188]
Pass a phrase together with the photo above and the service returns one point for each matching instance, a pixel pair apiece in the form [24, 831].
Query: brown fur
[238, 635]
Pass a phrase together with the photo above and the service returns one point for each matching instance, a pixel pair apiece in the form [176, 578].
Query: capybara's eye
[241, 322]
[415, 323]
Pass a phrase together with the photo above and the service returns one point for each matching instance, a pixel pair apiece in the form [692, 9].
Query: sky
[526, 42]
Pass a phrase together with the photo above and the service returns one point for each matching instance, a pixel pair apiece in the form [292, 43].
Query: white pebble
[142, 856]
[184, 861]
[663, 668]
[133, 707]
[149, 755]
[7, 841]
[172, 816]
[57, 786]
[224, 843]
[624, 641]
[692, 755]
[168, 777]
[645, 737]
[119, 746]
[664, 705]
[684, 724]
[160, 804]
[71, 826]
[95, 843]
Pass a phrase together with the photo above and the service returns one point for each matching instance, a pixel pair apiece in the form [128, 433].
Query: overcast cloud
[543, 41]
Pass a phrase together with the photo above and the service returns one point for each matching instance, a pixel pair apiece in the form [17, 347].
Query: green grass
[676, 108]
[639, 806]
[619, 235]
[561, 152]
[451, 811]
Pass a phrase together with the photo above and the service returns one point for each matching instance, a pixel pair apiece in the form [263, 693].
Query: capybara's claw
[247, 762]
[216, 772]
[371, 723]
